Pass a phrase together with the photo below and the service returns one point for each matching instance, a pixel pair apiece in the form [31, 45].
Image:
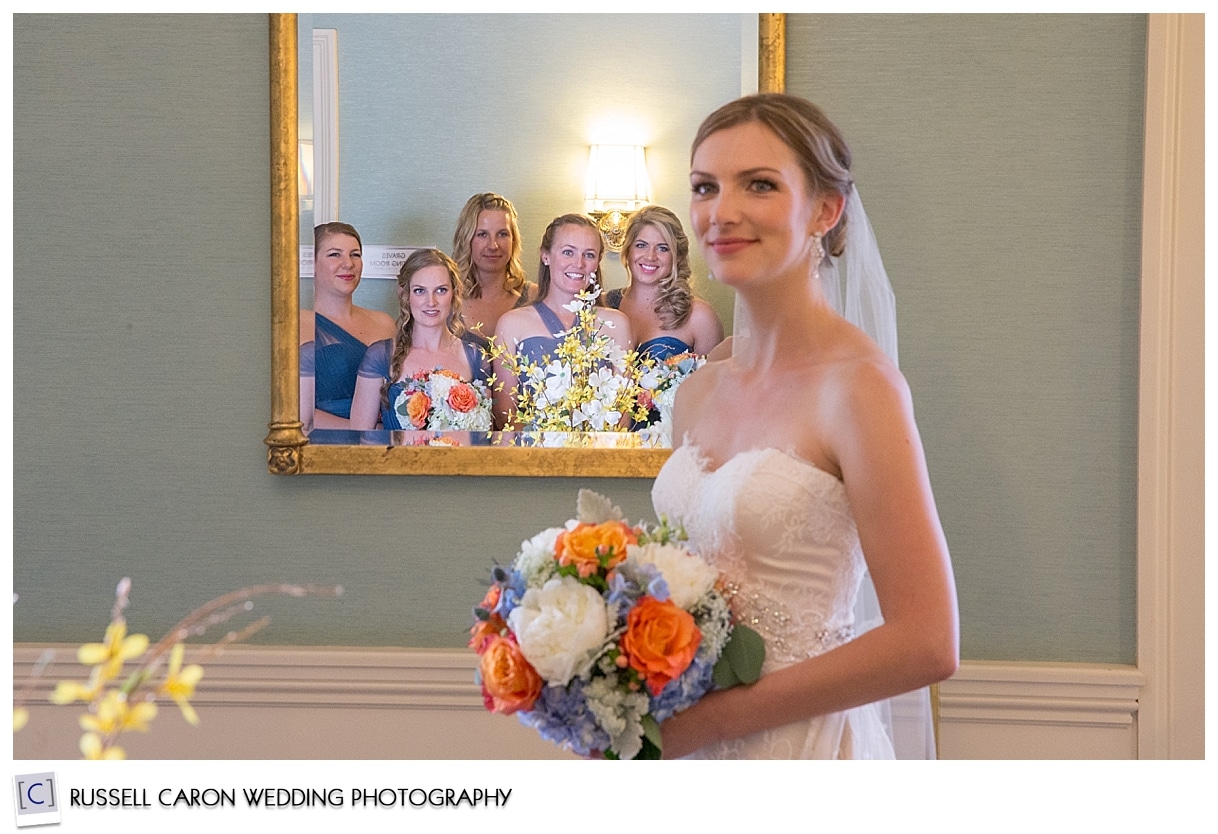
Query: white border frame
[1171, 431]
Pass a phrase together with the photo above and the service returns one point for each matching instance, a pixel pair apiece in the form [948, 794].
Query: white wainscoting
[356, 703]
[1040, 711]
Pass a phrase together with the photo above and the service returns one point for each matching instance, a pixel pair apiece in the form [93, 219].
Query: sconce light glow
[616, 186]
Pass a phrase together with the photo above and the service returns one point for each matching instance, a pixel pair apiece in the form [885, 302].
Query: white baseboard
[280, 702]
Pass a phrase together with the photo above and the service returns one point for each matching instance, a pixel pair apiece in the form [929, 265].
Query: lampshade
[617, 179]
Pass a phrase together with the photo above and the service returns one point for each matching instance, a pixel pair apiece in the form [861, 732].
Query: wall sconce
[617, 185]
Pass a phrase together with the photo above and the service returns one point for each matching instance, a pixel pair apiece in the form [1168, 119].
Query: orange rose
[592, 546]
[509, 682]
[483, 630]
[416, 409]
[491, 598]
[462, 398]
[660, 642]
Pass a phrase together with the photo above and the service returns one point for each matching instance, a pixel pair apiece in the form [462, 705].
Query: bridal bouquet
[440, 400]
[588, 384]
[601, 630]
[659, 383]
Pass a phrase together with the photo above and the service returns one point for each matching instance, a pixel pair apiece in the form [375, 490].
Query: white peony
[688, 577]
[535, 561]
[560, 627]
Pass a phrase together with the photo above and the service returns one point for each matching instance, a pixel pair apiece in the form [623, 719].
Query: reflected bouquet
[439, 400]
[600, 630]
[659, 383]
[588, 384]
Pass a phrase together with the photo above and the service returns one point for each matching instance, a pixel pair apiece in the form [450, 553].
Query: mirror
[398, 206]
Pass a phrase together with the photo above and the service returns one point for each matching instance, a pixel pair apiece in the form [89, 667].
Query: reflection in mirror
[433, 109]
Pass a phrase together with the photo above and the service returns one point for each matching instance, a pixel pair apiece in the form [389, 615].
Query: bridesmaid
[665, 316]
[335, 334]
[488, 252]
[428, 336]
[571, 250]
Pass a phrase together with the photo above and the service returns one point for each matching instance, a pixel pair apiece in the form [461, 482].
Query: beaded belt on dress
[772, 620]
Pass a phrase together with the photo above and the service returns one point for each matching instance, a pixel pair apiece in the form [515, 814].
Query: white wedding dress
[782, 532]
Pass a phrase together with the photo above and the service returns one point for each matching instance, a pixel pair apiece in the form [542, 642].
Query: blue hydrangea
[561, 715]
[686, 690]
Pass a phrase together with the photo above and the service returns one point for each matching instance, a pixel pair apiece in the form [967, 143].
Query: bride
[798, 466]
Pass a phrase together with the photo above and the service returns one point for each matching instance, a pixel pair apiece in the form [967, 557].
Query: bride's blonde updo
[805, 129]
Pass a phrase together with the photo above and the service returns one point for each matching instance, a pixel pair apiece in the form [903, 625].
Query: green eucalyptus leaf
[652, 745]
[722, 674]
[649, 750]
[744, 653]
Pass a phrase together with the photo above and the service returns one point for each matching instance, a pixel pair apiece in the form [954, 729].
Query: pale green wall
[141, 344]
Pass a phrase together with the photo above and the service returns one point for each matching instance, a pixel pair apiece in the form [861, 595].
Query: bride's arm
[876, 444]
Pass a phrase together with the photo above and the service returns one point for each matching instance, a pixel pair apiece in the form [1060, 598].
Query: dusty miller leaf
[594, 508]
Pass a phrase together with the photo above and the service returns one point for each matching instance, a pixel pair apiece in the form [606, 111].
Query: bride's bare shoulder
[865, 384]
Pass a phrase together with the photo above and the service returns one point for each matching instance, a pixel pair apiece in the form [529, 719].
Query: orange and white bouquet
[439, 400]
[659, 383]
[600, 630]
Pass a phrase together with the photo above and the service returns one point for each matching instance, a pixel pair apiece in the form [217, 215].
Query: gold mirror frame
[289, 451]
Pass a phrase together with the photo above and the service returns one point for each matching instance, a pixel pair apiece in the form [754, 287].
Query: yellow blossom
[116, 648]
[21, 717]
[91, 747]
[114, 715]
[180, 683]
[67, 692]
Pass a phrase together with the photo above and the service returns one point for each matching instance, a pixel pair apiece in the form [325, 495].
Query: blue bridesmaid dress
[534, 348]
[659, 348]
[336, 359]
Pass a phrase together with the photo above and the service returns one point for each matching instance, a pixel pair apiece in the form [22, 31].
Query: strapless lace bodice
[781, 531]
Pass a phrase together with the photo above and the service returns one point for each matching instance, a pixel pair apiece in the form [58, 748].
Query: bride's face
[750, 207]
